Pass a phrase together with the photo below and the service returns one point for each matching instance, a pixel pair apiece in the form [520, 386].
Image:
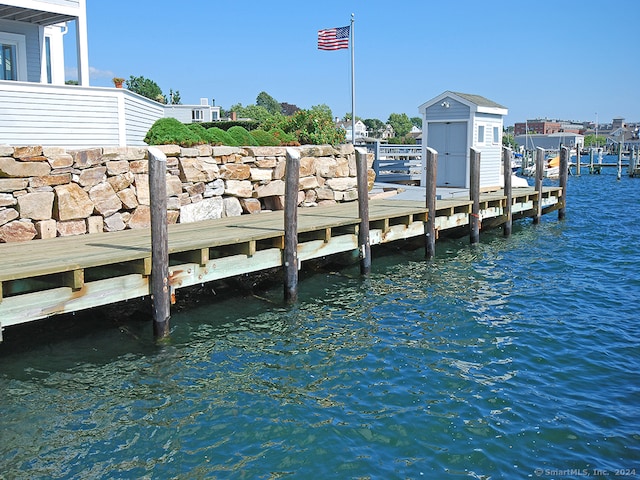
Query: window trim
[20, 42]
[481, 138]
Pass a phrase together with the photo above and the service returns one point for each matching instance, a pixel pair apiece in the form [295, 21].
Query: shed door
[450, 141]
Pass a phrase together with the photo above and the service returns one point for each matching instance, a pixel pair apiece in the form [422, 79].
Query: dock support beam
[474, 196]
[563, 179]
[431, 167]
[538, 184]
[364, 242]
[290, 260]
[508, 192]
[160, 289]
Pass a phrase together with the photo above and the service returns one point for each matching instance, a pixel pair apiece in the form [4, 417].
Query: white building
[193, 113]
[36, 107]
[453, 123]
[361, 130]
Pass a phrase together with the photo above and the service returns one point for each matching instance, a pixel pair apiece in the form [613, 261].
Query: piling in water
[290, 256]
[431, 166]
[474, 196]
[508, 192]
[364, 245]
[160, 289]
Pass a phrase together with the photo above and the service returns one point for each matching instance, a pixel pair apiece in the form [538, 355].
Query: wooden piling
[290, 258]
[474, 196]
[508, 191]
[538, 183]
[620, 160]
[160, 288]
[364, 243]
[578, 160]
[591, 161]
[564, 176]
[431, 167]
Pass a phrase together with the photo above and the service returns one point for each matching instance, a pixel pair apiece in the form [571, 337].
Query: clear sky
[566, 59]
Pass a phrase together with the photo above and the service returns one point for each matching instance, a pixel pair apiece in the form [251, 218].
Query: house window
[197, 116]
[480, 133]
[13, 57]
[496, 135]
[8, 62]
[47, 53]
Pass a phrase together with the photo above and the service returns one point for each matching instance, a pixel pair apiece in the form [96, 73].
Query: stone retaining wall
[51, 191]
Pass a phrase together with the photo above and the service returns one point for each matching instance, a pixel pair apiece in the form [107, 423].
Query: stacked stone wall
[51, 191]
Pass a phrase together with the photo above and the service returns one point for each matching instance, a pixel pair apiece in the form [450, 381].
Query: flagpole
[353, 86]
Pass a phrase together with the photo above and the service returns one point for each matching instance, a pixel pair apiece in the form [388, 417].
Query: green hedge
[226, 125]
[169, 131]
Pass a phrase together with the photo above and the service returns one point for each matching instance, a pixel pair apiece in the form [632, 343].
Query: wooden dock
[43, 278]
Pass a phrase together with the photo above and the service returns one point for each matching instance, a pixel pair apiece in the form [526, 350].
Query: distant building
[552, 141]
[193, 113]
[546, 127]
[361, 129]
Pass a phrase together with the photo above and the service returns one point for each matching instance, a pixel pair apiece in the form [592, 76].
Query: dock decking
[43, 278]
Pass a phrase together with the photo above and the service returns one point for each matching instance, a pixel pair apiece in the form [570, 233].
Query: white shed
[454, 122]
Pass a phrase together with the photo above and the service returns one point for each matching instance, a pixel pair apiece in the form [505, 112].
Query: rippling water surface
[517, 358]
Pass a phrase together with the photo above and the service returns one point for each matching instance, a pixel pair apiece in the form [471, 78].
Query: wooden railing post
[430, 164]
[564, 178]
[364, 243]
[474, 196]
[160, 288]
[538, 184]
[290, 256]
[508, 191]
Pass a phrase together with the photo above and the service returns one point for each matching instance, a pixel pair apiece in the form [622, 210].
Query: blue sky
[568, 59]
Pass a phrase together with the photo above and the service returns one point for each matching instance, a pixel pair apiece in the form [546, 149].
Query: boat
[551, 168]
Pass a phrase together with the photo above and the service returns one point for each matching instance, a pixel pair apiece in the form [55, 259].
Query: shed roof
[478, 100]
[477, 103]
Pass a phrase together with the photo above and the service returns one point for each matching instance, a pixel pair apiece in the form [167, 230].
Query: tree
[417, 122]
[322, 109]
[592, 141]
[269, 103]
[288, 109]
[174, 97]
[146, 88]
[508, 140]
[374, 126]
[254, 112]
[401, 123]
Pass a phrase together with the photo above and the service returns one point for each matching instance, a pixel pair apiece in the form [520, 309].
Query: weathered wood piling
[160, 289]
[431, 166]
[508, 191]
[563, 180]
[474, 196]
[290, 254]
[538, 183]
[363, 211]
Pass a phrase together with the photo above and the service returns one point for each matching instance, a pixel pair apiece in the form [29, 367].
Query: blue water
[518, 358]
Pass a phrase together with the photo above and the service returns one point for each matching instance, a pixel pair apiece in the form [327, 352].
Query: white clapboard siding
[74, 116]
[140, 114]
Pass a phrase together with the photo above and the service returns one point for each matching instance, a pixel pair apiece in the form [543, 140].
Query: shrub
[241, 136]
[217, 136]
[169, 131]
[265, 138]
[198, 130]
[285, 139]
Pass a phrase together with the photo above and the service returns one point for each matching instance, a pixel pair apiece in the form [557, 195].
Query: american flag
[333, 38]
